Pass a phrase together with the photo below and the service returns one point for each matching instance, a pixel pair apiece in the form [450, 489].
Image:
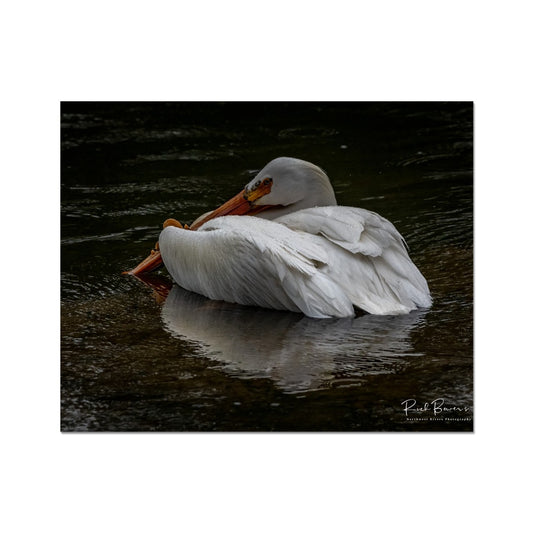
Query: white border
[276, 51]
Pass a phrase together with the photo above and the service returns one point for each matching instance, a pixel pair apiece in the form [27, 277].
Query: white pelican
[300, 252]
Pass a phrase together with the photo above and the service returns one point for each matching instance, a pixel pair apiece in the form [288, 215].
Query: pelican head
[291, 182]
[283, 186]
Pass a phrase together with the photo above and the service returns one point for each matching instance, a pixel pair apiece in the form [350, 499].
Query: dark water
[149, 356]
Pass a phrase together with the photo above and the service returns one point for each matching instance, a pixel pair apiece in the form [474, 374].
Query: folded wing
[367, 257]
[251, 261]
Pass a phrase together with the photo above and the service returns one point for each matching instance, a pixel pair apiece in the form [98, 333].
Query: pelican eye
[257, 189]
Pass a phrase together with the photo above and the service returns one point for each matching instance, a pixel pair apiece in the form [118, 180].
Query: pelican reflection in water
[296, 352]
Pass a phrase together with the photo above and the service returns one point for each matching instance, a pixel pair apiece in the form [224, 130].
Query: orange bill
[152, 262]
[240, 204]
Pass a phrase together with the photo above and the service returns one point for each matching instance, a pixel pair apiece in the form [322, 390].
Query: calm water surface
[147, 355]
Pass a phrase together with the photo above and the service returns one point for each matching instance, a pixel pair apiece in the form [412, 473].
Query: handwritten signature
[436, 406]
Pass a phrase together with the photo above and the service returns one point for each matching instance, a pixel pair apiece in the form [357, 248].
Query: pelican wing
[356, 230]
[367, 257]
[252, 261]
